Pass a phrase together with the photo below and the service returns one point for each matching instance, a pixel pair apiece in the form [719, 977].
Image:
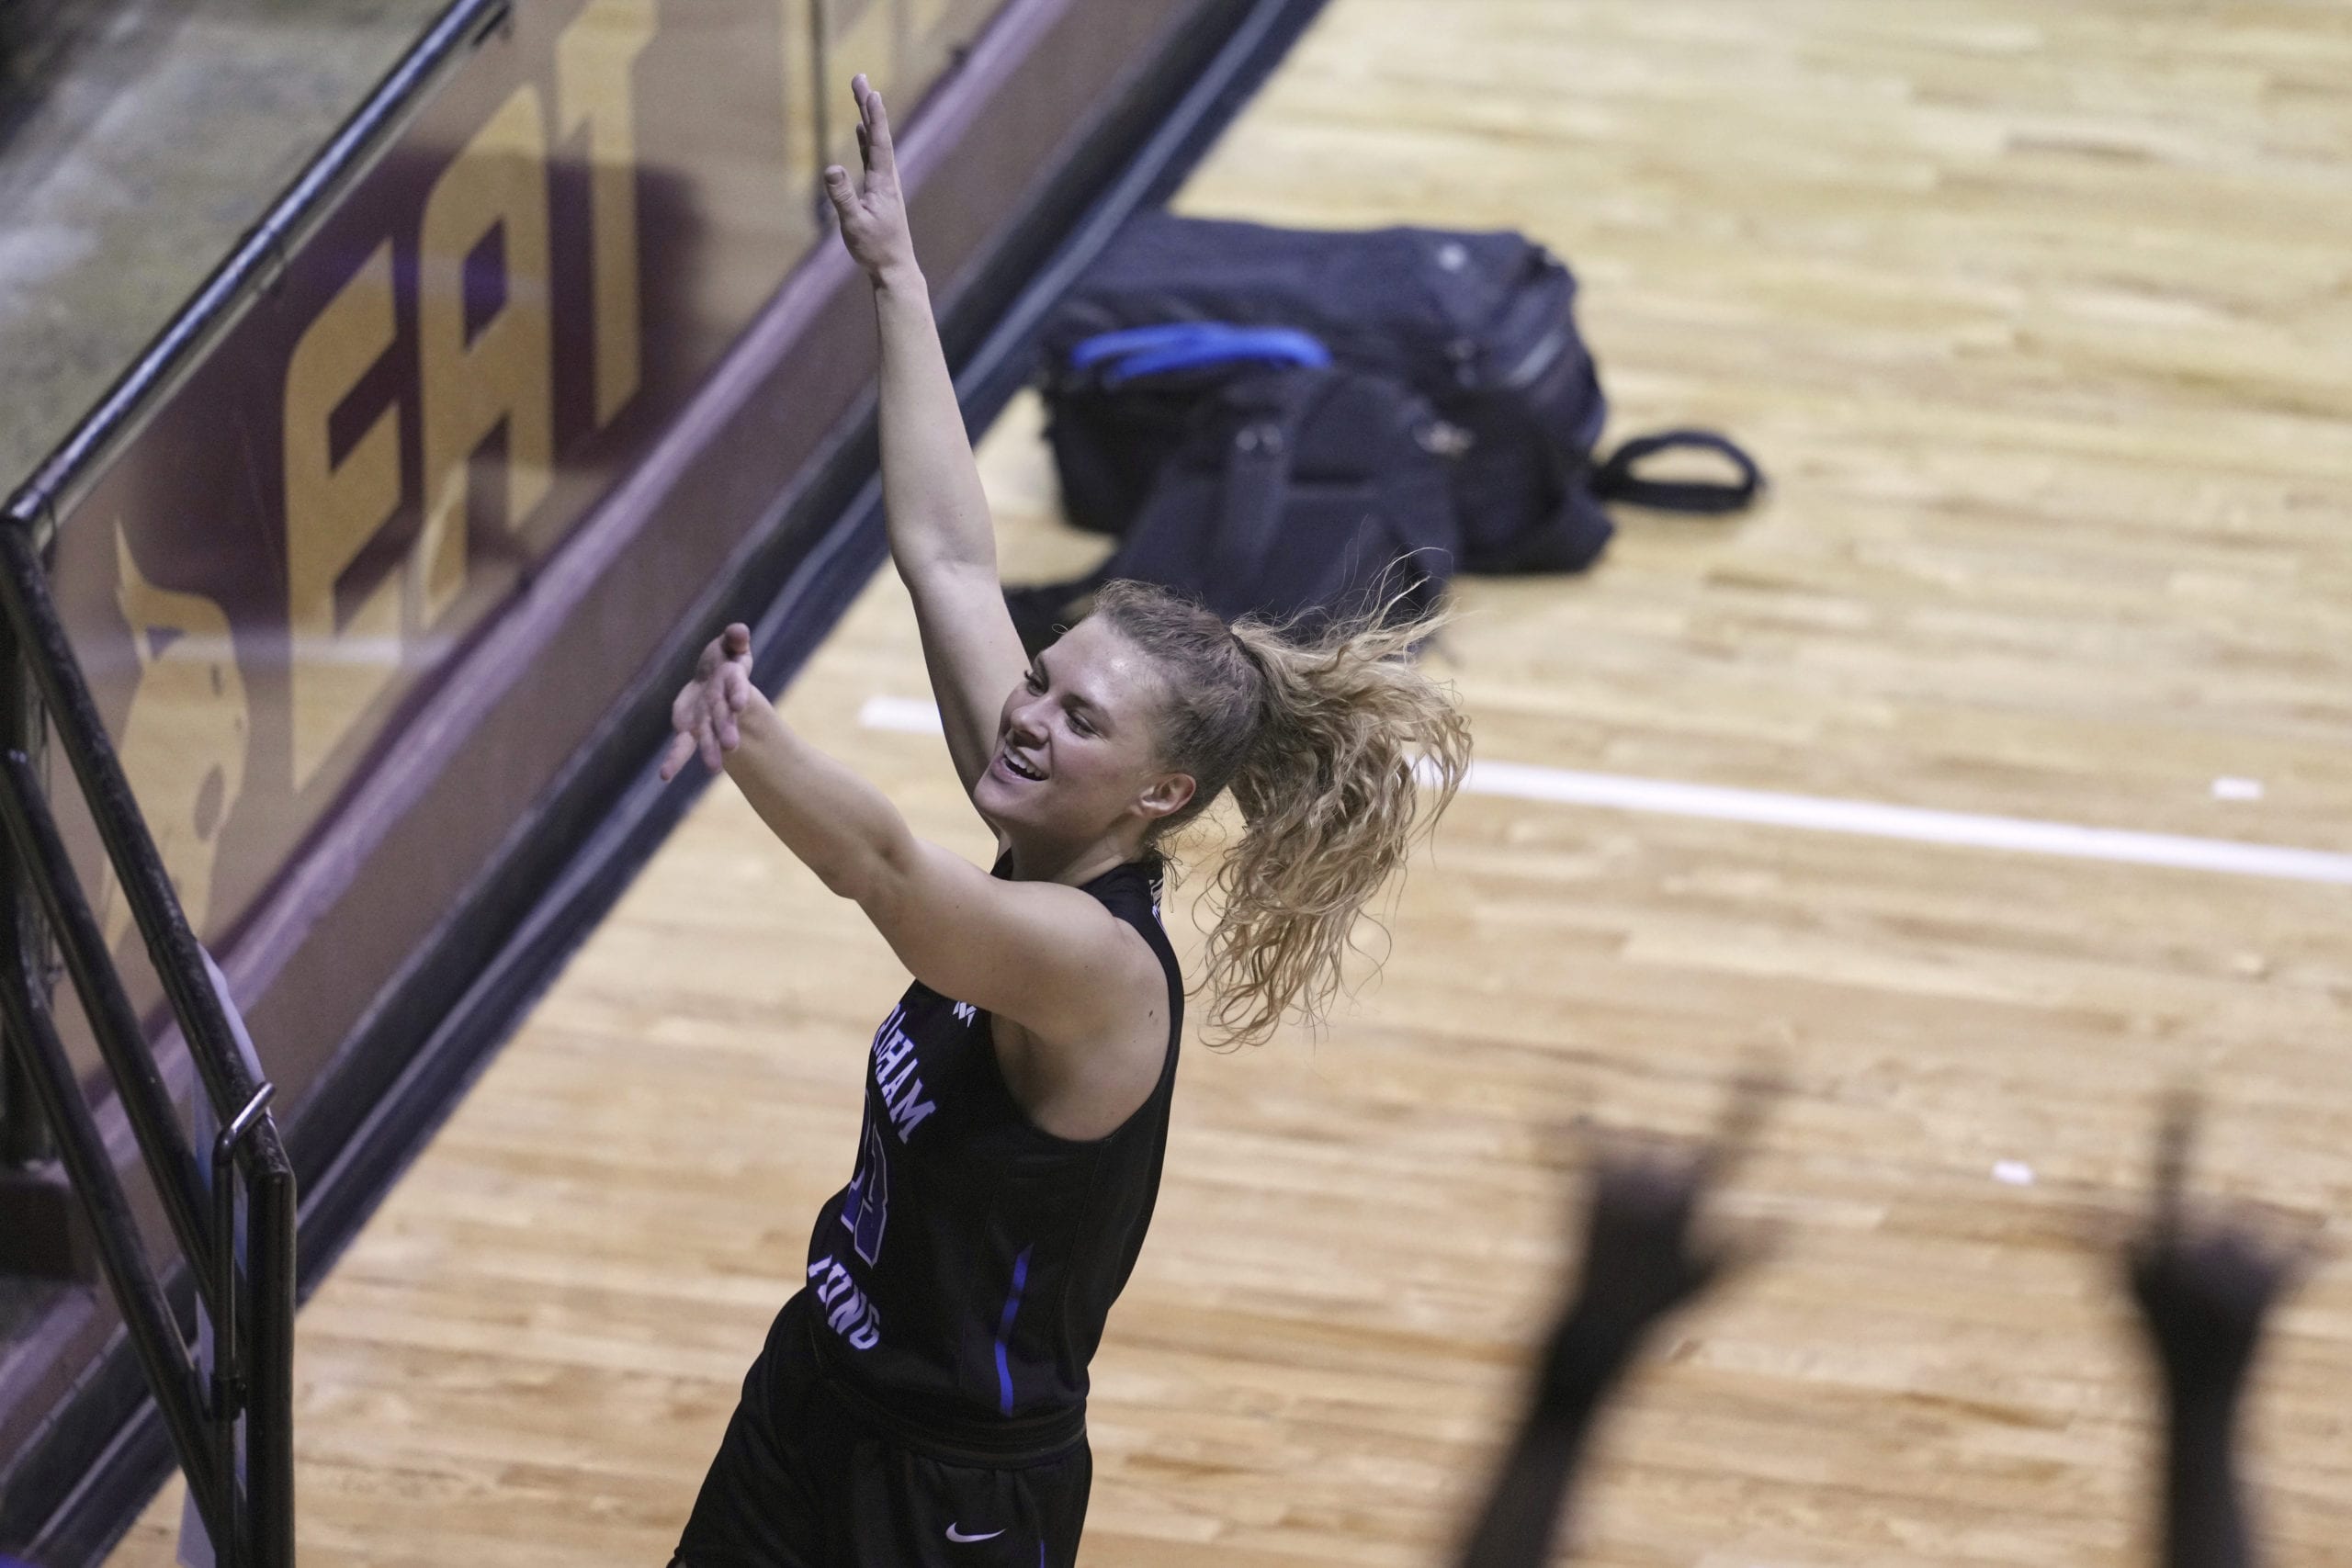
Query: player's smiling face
[1077, 751]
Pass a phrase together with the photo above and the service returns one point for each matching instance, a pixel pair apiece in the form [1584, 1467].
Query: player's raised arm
[1045, 956]
[941, 537]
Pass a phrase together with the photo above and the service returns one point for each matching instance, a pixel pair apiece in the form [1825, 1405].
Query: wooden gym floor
[2041, 318]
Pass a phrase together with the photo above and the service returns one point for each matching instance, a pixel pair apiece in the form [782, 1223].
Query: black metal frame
[234, 1436]
[247, 1413]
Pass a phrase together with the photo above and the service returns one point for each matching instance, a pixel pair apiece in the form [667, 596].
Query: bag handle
[1615, 479]
[1170, 347]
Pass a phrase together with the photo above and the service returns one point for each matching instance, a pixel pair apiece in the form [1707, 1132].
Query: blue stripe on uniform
[1004, 1332]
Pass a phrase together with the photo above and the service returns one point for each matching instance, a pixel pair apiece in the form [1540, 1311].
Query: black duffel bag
[1289, 488]
[1481, 325]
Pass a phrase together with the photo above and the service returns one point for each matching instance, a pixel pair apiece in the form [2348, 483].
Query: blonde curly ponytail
[1339, 752]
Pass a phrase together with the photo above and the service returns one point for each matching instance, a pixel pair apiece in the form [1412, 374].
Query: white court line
[1561, 786]
[910, 714]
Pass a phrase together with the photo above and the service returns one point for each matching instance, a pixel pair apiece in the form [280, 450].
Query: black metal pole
[251, 1523]
[154, 1335]
[32, 834]
[229, 1351]
[270, 1360]
[25, 1137]
[227, 1397]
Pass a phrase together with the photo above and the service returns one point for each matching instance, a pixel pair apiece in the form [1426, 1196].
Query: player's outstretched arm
[2203, 1292]
[942, 536]
[1048, 957]
[1642, 1263]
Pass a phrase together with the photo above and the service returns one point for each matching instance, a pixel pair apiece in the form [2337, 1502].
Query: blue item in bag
[1119, 357]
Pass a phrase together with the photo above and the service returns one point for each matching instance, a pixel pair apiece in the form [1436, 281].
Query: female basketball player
[922, 1399]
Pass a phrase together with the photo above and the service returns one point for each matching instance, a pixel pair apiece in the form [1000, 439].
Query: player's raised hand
[704, 717]
[872, 211]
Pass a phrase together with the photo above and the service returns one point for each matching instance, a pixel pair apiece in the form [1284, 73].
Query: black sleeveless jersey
[964, 1275]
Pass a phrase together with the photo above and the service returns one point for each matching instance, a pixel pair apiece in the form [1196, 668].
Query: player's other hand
[872, 211]
[704, 714]
[1645, 1255]
[2203, 1287]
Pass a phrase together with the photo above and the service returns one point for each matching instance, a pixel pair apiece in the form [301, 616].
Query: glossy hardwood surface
[2041, 318]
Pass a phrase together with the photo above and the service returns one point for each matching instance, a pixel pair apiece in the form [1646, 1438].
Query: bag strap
[1170, 347]
[1615, 479]
[1257, 479]
[1250, 508]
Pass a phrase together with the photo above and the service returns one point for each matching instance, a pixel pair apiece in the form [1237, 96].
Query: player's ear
[1166, 795]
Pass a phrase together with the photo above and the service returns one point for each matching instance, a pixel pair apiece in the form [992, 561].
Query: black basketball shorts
[808, 1477]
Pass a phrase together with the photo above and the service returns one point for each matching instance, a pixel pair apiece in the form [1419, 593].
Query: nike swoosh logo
[955, 1534]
